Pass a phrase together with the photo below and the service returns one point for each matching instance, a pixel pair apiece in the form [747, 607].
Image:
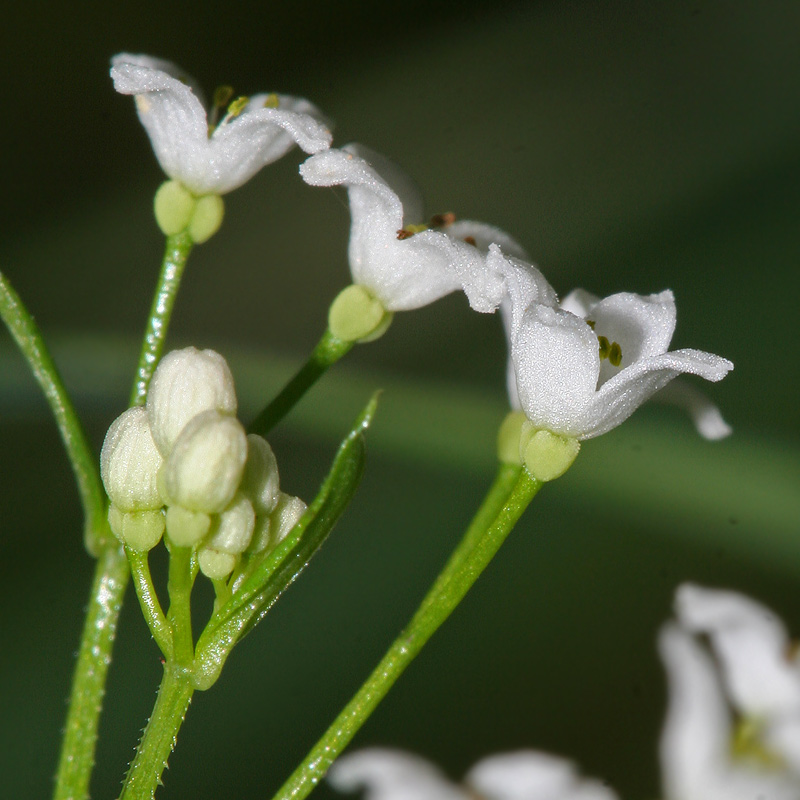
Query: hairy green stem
[176, 255]
[477, 548]
[158, 739]
[88, 686]
[327, 352]
[29, 339]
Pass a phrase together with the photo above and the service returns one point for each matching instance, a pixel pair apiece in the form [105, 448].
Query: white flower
[704, 414]
[524, 775]
[392, 252]
[171, 109]
[732, 729]
[580, 377]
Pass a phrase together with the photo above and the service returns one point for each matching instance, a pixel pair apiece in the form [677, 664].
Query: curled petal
[579, 302]
[642, 324]
[620, 396]
[392, 775]
[402, 273]
[752, 645]
[528, 775]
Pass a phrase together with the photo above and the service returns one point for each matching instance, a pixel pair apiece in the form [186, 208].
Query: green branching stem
[481, 541]
[176, 255]
[148, 601]
[29, 339]
[88, 686]
[327, 352]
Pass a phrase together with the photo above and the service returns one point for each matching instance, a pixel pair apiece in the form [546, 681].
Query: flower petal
[400, 182]
[707, 418]
[556, 362]
[752, 645]
[403, 274]
[620, 396]
[529, 775]
[579, 302]
[170, 112]
[392, 775]
[694, 742]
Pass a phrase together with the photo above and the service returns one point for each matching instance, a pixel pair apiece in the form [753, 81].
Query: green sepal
[253, 599]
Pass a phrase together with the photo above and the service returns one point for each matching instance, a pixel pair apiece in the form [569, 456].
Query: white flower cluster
[732, 730]
[577, 368]
[183, 462]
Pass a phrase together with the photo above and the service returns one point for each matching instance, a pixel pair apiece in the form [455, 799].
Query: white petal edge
[392, 775]
[531, 775]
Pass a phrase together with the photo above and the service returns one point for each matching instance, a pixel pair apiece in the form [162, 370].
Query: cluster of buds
[184, 464]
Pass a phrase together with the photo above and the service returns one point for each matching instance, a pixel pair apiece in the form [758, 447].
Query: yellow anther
[237, 106]
[272, 101]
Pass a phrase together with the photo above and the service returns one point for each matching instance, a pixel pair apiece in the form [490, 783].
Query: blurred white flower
[404, 262]
[733, 725]
[208, 158]
[581, 374]
[524, 775]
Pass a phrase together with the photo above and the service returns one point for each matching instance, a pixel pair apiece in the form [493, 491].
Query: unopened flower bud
[215, 564]
[285, 516]
[129, 463]
[508, 438]
[139, 530]
[234, 528]
[260, 481]
[204, 469]
[186, 528]
[186, 383]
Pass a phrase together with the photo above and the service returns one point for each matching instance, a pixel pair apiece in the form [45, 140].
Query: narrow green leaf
[251, 602]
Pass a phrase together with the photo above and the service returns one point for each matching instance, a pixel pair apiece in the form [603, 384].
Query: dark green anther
[222, 96]
[605, 347]
[615, 354]
[272, 101]
[591, 323]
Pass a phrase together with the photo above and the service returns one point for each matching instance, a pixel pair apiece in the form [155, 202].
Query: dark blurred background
[629, 146]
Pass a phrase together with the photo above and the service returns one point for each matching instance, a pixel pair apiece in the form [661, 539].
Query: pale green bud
[214, 564]
[204, 469]
[207, 218]
[186, 528]
[547, 455]
[260, 480]
[234, 528]
[139, 530]
[174, 206]
[285, 516]
[186, 383]
[129, 463]
[356, 315]
[508, 438]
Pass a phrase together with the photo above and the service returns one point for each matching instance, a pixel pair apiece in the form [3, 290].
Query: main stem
[327, 352]
[158, 739]
[477, 548]
[88, 687]
[112, 571]
[176, 255]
